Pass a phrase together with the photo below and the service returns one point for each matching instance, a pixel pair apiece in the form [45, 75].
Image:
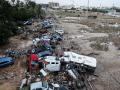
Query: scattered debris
[46, 67]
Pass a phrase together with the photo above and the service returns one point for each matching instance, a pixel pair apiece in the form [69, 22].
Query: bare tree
[27, 1]
[13, 1]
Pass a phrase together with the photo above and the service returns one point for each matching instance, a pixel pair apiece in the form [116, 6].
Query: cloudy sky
[97, 3]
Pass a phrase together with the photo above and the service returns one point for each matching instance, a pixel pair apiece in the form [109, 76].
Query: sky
[96, 3]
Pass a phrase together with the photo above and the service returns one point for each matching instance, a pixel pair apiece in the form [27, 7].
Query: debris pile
[49, 67]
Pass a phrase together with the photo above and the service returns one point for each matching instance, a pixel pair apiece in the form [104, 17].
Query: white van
[53, 63]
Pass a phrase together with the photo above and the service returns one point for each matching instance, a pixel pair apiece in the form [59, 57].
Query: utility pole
[73, 2]
[100, 6]
[88, 4]
[80, 12]
[88, 8]
[73, 5]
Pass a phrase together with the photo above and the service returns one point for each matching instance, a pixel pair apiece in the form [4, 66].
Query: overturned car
[6, 61]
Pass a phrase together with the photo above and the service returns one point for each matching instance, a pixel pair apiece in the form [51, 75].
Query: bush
[99, 46]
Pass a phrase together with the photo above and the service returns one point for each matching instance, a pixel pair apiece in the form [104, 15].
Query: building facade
[54, 5]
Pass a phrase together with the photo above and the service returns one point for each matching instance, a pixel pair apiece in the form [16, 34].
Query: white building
[54, 5]
[113, 13]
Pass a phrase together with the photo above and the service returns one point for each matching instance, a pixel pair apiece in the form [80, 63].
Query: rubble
[59, 70]
[6, 76]
[50, 69]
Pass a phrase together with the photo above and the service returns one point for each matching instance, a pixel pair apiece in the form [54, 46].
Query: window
[53, 63]
[74, 56]
[38, 88]
[66, 56]
[3, 62]
[44, 84]
[79, 58]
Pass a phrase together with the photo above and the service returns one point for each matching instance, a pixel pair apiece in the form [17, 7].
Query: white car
[53, 63]
[39, 86]
[45, 37]
[35, 41]
[44, 86]
[60, 31]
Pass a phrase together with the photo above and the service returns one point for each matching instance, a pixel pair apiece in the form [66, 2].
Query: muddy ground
[108, 56]
[10, 77]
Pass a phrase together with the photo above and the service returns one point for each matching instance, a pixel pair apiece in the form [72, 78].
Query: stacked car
[56, 71]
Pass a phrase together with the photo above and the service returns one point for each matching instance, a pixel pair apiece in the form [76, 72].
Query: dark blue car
[56, 37]
[44, 53]
[6, 61]
[46, 24]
